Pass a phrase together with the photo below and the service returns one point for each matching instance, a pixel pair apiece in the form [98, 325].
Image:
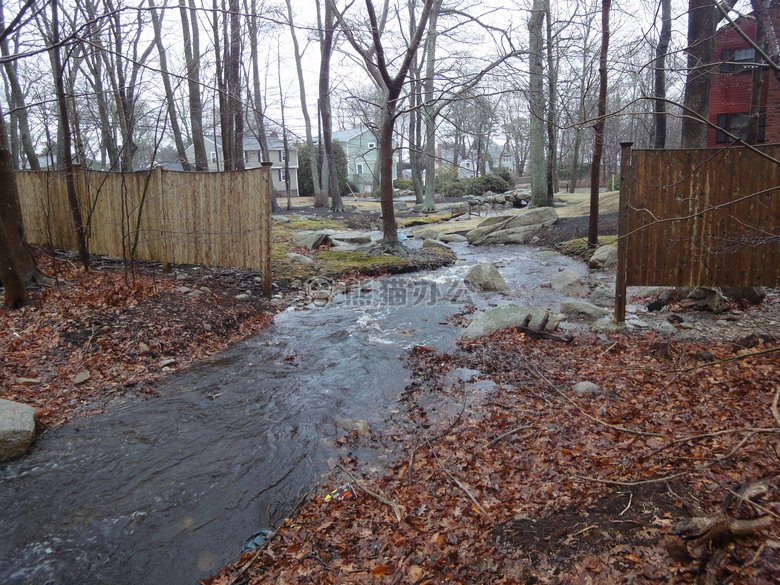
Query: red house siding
[730, 93]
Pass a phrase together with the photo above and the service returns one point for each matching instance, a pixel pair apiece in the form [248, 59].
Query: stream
[166, 490]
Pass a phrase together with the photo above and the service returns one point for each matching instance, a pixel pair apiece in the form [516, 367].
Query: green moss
[334, 261]
[579, 247]
[425, 220]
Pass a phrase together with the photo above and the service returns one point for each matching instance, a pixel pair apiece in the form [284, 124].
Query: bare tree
[539, 194]
[173, 119]
[659, 69]
[191, 38]
[329, 176]
[376, 62]
[598, 147]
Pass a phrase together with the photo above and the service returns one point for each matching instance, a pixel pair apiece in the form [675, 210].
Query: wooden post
[626, 181]
[265, 231]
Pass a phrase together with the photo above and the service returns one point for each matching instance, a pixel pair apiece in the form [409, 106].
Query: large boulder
[582, 311]
[568, 282]
[310, 239]
[350, 237]
[705, 299]
[485, 276]
[603, 257]
[430, 244]
[512, 229]
[507, 316]
[17, 428]
[753, 295]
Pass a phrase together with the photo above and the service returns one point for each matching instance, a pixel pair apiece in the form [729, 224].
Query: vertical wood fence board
[686, 227]
[217, 219]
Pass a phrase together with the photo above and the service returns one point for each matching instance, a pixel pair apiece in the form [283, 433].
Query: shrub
[504, 173]
[403, 184]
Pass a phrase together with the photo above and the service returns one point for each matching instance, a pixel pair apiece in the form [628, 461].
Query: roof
[251, 143]
[347, 135]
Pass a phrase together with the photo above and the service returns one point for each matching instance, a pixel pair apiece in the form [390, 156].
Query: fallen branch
[394, 505]
[591, 417]
[540, 331]
[775, 412]
[455, 480]
[630, 483]
[707, 364]
[506, 434]
[750, 430]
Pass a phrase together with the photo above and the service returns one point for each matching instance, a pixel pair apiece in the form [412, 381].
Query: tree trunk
[171, 103]
[75, 208]
[389, 225]
[659, 89]
[192, 60]
[598, 147]
[17, 102]
[236, 105]
[430, 109]
[539, 195]
[703, 18]
[326, 50]
[552, 114]
[574, 172]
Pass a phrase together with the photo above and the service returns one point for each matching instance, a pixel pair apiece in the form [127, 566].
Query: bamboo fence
[214, 219]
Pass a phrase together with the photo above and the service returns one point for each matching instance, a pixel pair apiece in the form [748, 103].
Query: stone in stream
[485, 276]
[17, 428]
[506, 316]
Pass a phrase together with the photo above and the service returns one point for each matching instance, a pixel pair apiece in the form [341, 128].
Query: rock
[28, 381]
[607, 326]
[205, 290]
[196, 293]
[644, 291]
[310, 239]
[512, 229]
[705, 299]
[753, 295]
[435, 245]
[242, 297]
[485, 276]
[350, 237]
[603, 297]
[399, 205]
[506, 316]
[660, 301]
[453, 238]
[17, 428]
[603, 257]
[143, 348]
[184, 290]
[638, 323]
[665, 327]
[586, 389]
[465, 374]
[280, 219]
[168, 362]
[482, 386]
[429, 234]
[81, 377]
[686, 325]
[353, 424]
[300, 258]
[568, 282]
[582, 310]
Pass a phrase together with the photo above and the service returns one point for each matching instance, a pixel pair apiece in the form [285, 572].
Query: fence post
[265, 231]
[626, 180]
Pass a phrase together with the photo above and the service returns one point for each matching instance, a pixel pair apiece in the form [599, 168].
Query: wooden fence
[705, 217]
[215, 219]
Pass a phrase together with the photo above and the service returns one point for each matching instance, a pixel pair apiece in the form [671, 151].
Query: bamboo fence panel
[702, 217]
[214, 219]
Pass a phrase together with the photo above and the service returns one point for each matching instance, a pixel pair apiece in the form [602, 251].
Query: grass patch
[579, 247]
[579, 203]
[335, 262]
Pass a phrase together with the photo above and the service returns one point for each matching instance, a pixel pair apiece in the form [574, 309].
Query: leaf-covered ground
[93, 337]
[532, 483]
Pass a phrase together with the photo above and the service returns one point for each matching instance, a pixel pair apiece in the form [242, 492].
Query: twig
[506, 434]
[593, 418]
[715, 434]
[630, 499]
[411, 462]
[381, 498]
[584, 530]
[775, 412]
[733, 451]
[455, 480]
[630, 483]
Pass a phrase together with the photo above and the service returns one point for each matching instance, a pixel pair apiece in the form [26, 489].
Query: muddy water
[167, 490]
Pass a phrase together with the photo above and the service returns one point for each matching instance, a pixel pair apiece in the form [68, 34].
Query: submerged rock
[485, 276]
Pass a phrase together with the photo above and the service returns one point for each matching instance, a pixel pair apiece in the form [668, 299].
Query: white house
[253, 158]
[362, 152]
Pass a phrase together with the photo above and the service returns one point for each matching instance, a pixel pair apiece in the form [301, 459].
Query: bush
[504, 173]
[403, 184]
[487, 183]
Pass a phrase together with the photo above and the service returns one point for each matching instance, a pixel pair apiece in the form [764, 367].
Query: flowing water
[166, 490]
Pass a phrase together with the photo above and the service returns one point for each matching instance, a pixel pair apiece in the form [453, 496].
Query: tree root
[705, 537]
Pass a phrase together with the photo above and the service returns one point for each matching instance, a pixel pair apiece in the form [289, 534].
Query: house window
[246, 156]
[737, 124]
[282, 156]
[737, 60]
[213, 156]
[259, 156]
[359, 168]
[372, 144]
[282, 176]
